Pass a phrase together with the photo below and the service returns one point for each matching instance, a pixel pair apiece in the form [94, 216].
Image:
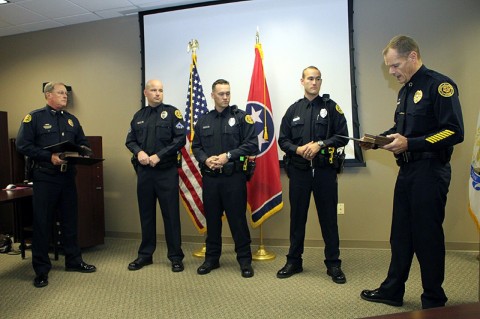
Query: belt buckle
[63, 168]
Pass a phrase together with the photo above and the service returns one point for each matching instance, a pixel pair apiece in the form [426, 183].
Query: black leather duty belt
[51, 168]
[407, 157]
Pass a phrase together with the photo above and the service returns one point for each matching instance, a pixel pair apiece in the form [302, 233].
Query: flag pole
[262, 253]
[193, 46]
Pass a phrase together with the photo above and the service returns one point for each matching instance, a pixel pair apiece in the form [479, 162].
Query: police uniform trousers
[54, 192]
[159, 183]
[226, 194]
[418, 212]
[323, 183]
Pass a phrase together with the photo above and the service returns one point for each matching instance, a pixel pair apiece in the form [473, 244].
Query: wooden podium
[91, 215]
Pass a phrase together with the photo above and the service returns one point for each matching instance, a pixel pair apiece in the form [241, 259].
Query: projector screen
[294, 34]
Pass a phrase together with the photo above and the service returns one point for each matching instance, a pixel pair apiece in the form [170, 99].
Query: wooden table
[7, 196]
[14, 196]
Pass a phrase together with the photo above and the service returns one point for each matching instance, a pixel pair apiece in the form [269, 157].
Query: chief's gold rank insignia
[178, 114]
[339, 110]
[418, 96]
[70, 122]
[446, 89]
[248, 119]
[27, 118]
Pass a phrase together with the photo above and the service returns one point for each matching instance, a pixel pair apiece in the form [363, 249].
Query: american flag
[190, 177]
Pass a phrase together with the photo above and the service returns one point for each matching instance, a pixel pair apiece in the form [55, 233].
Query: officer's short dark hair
[403, 44]
[219, 81]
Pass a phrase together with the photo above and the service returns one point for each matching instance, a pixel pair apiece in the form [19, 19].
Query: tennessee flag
[190, 178]
[264, 189]
[474, 182]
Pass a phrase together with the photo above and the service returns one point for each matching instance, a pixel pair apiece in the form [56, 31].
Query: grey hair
[48, 88]
[403, 44]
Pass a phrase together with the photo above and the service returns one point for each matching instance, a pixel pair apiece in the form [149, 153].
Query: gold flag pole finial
[193, 46]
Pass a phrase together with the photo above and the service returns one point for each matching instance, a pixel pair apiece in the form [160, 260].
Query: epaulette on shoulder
[37, 110]
[438, 76]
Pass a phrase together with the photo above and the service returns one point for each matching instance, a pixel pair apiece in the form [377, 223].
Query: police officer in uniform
[156, 135]
[223, 138]
[428, 122]
[308, 138]
[54, 187]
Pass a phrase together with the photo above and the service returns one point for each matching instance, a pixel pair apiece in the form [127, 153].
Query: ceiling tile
[114, 13]
[21, 16]
[96, 5]
[15, 15]
[82, 18]
[53, 8]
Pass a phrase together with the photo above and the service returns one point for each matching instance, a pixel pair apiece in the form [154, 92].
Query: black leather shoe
[177, 266]
[139, 263]
[337, 275]
[247, 271]
[81, 267]
[207, 267]
[40, 281]
[377, 296]
[289, 270]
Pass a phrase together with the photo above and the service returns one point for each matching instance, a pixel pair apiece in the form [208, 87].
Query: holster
[28, 169]
[134, 162]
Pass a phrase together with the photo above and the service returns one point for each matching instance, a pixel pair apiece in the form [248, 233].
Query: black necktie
[309, 124]
[218, 131]
[151, 134]
[402, 115]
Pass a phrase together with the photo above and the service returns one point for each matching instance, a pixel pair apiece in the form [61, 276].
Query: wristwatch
[321, 144]
[229, 155]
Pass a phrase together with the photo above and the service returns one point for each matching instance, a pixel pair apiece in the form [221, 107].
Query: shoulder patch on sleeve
[178, 114]
[248, 119]
[339, 110]
[27, 118]
[445, 89]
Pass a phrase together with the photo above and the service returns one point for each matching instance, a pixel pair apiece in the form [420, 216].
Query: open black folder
[70, 152]
[373, 139]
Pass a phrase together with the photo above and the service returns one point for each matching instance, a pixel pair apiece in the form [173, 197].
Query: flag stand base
[201, 252]
[262, 254]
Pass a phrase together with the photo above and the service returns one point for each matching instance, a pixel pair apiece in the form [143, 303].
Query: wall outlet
[340, 208]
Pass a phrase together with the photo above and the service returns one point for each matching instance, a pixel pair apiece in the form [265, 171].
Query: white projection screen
[294, 34]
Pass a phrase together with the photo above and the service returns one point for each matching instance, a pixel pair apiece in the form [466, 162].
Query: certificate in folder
[80, 160]
[62, 147]
[373, 139]
[70, 152]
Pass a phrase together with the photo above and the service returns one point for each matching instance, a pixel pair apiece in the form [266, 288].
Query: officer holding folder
[43, 136]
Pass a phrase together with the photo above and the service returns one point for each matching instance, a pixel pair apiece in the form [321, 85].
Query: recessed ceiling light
[3, 1]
